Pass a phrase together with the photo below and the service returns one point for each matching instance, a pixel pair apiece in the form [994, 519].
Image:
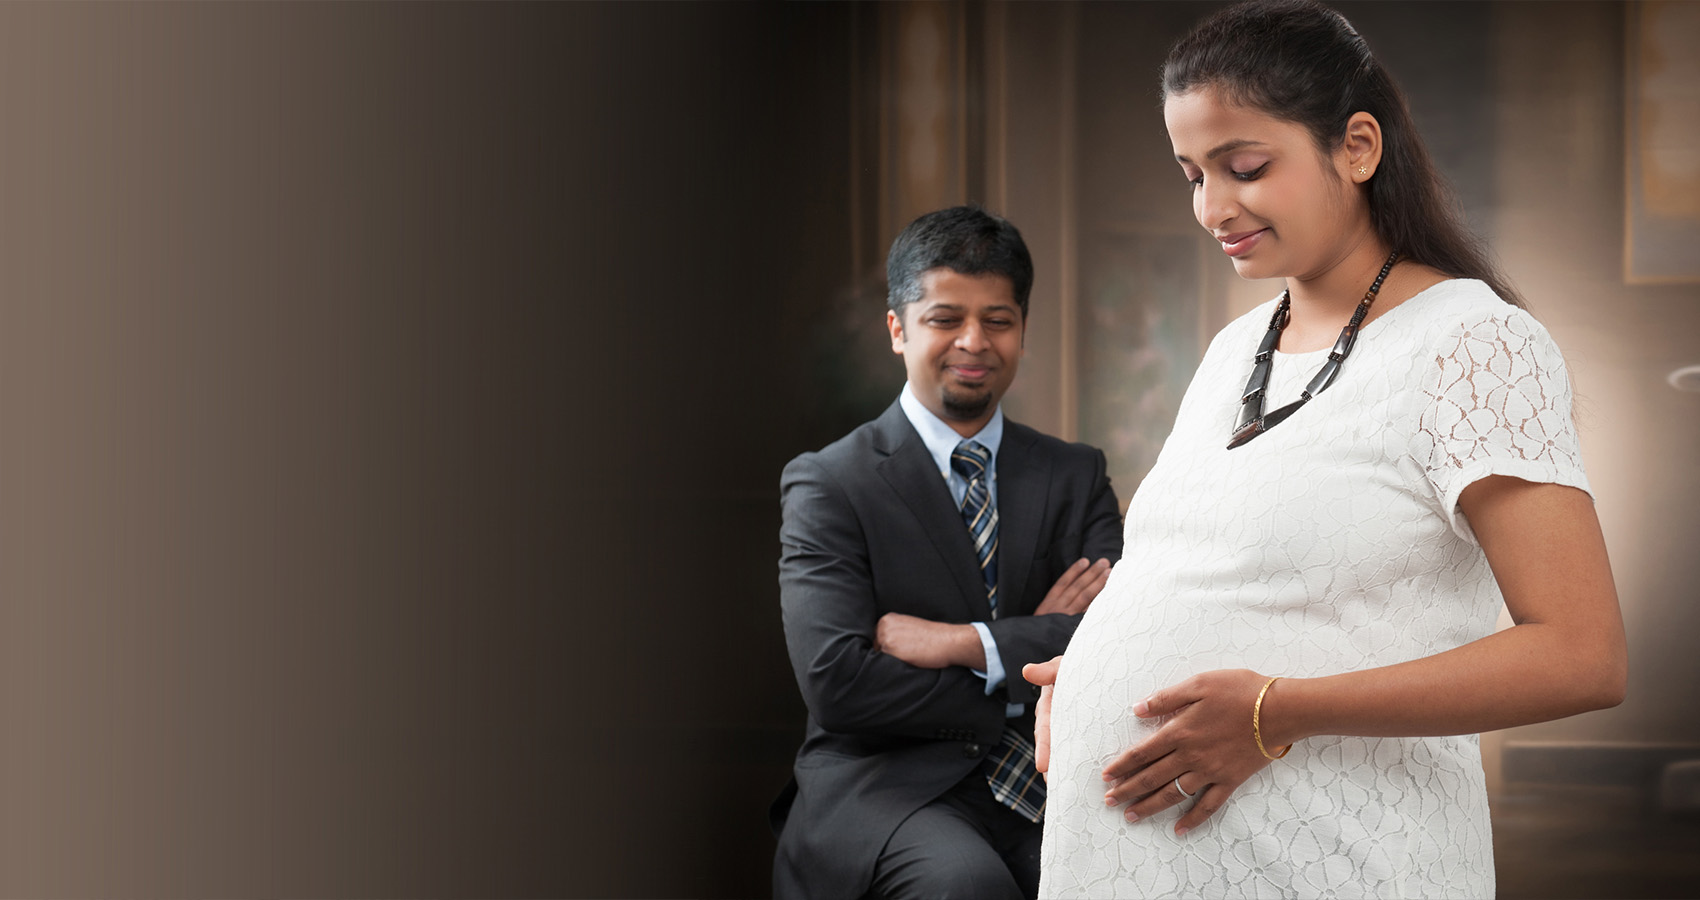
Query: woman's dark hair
[1300, 61]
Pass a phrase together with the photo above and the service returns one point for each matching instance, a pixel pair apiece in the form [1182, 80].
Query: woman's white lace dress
[1331, 543]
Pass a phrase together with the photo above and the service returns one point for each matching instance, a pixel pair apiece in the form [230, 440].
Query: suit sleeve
[827, 598]
[1103, 516]
[1029, 639]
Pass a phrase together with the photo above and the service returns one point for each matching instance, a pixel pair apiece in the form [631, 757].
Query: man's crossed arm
[934, 645]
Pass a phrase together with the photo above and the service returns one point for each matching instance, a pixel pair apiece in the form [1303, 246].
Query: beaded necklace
[1253, 421]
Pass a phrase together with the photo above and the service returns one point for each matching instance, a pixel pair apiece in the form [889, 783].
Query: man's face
[961, 343]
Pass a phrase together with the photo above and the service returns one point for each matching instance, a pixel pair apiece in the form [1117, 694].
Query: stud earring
[1363, 170]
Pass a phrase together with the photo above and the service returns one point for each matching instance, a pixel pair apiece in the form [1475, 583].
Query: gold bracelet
[1256, 715]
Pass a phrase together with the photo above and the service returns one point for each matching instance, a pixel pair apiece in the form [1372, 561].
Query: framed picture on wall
[1661, 233]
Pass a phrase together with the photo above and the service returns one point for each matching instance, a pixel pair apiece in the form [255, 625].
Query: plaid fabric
[1015, 782]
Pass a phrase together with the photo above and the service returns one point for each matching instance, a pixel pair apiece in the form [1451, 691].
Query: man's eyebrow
[1227, 147]
[957, 307]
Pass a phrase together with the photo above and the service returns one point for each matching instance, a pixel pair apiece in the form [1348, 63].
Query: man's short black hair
[965, 239]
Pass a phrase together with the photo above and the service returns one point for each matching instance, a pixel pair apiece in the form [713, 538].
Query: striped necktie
[971, 461]
[1010, 768]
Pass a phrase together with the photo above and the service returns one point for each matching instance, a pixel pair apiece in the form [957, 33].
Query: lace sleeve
[1497, 403]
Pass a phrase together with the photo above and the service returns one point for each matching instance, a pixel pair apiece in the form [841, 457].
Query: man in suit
[925, 558]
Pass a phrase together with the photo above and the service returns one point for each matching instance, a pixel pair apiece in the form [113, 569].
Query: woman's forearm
[1529, 673]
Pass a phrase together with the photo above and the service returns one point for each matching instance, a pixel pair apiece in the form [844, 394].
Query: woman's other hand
[1206, 744]
[1045, 676]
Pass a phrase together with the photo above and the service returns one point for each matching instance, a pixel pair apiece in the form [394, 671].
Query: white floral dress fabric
[1331, 543]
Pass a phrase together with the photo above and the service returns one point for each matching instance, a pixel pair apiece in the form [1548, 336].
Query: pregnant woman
[1279, 691]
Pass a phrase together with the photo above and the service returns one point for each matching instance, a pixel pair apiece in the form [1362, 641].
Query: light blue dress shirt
[941, 441]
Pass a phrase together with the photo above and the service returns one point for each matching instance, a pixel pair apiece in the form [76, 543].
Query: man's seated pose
[924, 559]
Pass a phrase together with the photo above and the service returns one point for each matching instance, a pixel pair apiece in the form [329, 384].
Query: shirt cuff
[994, 673]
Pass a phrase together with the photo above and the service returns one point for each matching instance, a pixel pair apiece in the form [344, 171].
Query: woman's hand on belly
[1045, 676]
[1206, 745]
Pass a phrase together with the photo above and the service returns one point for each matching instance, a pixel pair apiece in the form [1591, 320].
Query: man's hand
[1044, 675]
[928, 644]
[1076, 589]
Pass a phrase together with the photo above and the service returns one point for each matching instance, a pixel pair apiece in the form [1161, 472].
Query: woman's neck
[1322, 303]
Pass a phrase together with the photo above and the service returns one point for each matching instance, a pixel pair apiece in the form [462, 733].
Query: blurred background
[393, 398]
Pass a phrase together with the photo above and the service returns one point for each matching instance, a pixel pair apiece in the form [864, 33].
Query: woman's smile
[1242, 242]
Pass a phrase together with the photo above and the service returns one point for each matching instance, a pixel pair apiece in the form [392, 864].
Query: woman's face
[1279, 207]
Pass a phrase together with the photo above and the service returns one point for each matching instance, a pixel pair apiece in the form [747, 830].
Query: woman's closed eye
[1197, 180]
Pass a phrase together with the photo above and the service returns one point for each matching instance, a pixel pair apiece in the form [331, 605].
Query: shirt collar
[941, 439]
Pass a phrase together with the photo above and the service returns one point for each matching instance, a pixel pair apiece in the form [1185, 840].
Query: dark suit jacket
[870, 528]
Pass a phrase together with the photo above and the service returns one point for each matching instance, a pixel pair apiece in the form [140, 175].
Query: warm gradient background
[392, 399]
[393, 396]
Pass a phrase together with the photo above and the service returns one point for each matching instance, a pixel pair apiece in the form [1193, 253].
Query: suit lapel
[910, 471]
[1023, 490]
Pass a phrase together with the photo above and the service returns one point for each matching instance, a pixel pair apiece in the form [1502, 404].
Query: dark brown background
[392, 399]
